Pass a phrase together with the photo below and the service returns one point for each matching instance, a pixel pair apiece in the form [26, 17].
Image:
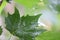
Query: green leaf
[28, 3]
[0, 30]
[25, 27]
[51, 35]
[12, 21]
[2, 6]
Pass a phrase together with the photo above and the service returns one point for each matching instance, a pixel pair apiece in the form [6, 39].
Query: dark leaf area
[24, 27]
[8, 1]
[58, 7]
[1, 2]
[0, 30]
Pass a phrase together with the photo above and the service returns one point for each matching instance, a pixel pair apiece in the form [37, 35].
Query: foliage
[51, 35]
[58, 7]
[0, 30]
[28, 3]
[2, 6]
[24, 27]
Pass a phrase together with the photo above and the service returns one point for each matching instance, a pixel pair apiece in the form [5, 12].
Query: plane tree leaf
[24, 27]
